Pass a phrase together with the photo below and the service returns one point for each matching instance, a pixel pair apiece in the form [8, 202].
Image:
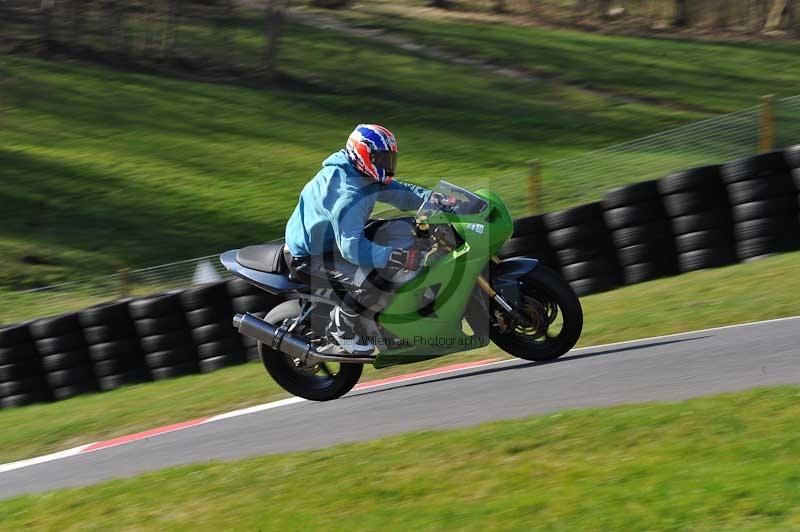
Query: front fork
[486, 287]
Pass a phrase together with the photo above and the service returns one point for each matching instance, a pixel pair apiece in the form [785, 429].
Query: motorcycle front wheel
[553, 313]
[321, 382]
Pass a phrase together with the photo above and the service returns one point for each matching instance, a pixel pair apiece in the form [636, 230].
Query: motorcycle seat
[267, 258]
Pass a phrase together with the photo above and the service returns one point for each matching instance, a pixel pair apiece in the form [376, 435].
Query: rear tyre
[322, 382]
[556, 318]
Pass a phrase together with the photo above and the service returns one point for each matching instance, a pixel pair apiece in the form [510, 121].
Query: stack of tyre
[792, 157]
[209, 315]
[64, 356]
[699, 214]
[583, 247]
[763, 204]
[529, 240]
[21, 381]
[245, 297]
[113, 345]
[164, 335]
[640, 232]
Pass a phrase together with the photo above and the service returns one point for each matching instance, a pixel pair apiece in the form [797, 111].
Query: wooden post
[534, 185]
[766, 140]
[124, 282]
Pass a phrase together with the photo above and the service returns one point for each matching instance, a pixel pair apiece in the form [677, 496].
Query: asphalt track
[666, 368]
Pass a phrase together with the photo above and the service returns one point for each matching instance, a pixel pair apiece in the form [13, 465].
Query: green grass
[726, 462]
[736, 294]
[101, 169]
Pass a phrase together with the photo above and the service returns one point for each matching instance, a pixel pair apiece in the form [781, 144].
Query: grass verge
[726, 462]
[736, 294]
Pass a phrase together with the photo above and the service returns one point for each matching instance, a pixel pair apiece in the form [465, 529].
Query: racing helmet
[372, 150]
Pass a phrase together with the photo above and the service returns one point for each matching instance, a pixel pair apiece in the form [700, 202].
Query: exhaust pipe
[277, 338]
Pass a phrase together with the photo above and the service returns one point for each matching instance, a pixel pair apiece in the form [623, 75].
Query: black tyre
[598, 267]
[161, 325]
[573, 255]
[792, 156]
[639, 273]
[114, 366]
[73, 390]
[754, 167]
[127, 348]
[16, 353]
[210, 295]
[763, 227]
[529, 226]
[760, 189]
[683, 203]
[213, 332]
[162, 342]
[240, 287]
[171, 357]
[67, 377]
[764, 209]
[60, 344]
[633, 215]
[518, 247]
[704, 178]
[699, 240]
[576, 236]
[230, 347]
[20, 370]
[700, 222]
[58, 326]
[69, 359]
[592, 285]
[641, 192]
[207, 316]
[155, 307]
[207, 365]
[262, 302]
[702, 259]
[583, 215]
[753, 248]
[637, 254]
[15, 335]
[178, 370]
[116, 312]
[555, 313]
[98, 334]
[112, 382]
[323, 382]
[631, 236]
[23, 399]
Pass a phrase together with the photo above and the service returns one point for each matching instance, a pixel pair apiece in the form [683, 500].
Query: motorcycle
[522, 306]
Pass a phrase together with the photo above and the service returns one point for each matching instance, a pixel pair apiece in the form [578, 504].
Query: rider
[328, 223]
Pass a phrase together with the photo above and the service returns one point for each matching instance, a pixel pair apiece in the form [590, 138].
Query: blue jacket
[335, 206]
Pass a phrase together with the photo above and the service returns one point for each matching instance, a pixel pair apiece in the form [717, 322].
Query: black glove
[407, 259]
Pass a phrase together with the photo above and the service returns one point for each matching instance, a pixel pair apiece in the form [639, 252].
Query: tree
[77, 16]
[273, 24]
[117, 41]
[776, 14]
[46, 26]
[681, 19]
[170, 36]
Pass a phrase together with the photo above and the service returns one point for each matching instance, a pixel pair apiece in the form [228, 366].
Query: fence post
[534, 185]
[766, 141]
[124, 282]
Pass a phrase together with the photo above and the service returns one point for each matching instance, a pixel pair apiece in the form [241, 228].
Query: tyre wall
[690, 220]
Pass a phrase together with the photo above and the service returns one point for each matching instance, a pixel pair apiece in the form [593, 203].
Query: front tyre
[319, 382]
[554, 314]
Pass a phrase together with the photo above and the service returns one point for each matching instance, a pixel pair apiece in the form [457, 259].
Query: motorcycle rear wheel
[323, 382]
[548, 300]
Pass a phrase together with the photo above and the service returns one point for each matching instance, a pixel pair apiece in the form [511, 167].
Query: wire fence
[564, 183]
[68, 297]
[713, 141]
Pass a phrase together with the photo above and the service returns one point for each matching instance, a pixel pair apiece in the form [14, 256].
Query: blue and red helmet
[372, 149]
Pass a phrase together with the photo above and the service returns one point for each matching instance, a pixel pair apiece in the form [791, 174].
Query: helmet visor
[387, 160]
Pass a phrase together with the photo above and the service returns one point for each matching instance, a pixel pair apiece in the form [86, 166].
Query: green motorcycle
[462, 298]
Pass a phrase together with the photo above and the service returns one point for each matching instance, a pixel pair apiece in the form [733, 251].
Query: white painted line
[257, 408]
[10, 466]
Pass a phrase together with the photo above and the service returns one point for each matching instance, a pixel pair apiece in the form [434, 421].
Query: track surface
[669, 368]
